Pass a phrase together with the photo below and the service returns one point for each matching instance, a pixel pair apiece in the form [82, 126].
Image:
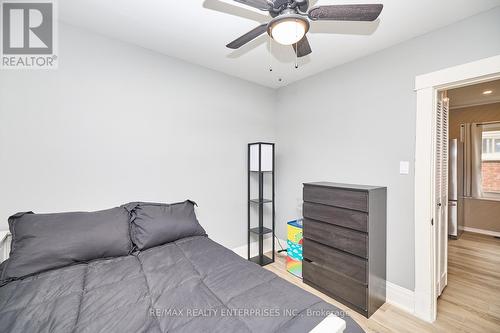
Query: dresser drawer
[357, 200]
[338, 285]
[351, 241]
[339, 216]
[341, 262]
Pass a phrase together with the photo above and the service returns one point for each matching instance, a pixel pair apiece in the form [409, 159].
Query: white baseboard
[442, 283]
[483, 232]
[254, 249]
[400, 297]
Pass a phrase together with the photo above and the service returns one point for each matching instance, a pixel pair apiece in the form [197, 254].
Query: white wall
[117, 123]
[356, 122]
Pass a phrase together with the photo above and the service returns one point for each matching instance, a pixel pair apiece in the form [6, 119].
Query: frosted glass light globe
[288, 31]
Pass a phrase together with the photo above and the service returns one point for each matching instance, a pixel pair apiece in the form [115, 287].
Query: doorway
[426, 245]
[468, 203]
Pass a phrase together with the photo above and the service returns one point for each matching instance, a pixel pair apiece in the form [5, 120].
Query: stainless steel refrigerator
[456, 189]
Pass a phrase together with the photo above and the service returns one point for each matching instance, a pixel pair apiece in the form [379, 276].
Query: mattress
[190, 285]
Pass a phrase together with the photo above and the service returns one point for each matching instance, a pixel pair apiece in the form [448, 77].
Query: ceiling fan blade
[249, 36]
[259, 4]
[346, 12]
[302, 48]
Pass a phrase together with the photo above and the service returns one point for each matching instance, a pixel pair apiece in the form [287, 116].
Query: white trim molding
[462, 75]
[424, 184]
[400, 297]
[483, 232]
[463, 106]
[254, 247]
[427, 87]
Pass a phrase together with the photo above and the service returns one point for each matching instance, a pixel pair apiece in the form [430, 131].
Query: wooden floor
[470, 302]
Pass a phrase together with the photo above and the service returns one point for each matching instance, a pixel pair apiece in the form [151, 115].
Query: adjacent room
[249, 166]
[468, 272]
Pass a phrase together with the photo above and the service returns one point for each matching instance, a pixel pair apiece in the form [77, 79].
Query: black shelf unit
[260, 231]
[259, 203]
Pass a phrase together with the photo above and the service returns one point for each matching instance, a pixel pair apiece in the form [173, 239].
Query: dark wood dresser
[345, 243]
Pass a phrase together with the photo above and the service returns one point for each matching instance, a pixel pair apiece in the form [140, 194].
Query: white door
[441, 194]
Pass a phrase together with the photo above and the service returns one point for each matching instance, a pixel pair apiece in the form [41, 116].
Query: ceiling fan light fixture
[290, 21]
[288, 29]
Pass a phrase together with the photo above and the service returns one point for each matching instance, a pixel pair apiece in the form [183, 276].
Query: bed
[191, 284]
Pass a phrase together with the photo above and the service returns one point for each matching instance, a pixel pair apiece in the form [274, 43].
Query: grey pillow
[46, 241]
[155, 224]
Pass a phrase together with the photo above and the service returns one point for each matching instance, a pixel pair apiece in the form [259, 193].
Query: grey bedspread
[191, 285]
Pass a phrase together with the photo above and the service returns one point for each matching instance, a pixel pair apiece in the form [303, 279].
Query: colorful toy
[294, 248]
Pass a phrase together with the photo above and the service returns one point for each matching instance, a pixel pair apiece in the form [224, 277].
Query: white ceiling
[473, 95]
[198, 30]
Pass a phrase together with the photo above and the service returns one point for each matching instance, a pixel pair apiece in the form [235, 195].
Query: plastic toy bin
[294, 248]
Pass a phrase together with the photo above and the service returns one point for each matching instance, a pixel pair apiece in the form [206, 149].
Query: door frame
[427, 87]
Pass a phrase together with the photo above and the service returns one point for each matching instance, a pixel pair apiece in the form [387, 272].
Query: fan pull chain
[296, 61]
[270, 55]
[296, 46]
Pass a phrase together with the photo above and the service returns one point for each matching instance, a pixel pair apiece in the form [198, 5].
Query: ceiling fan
[290, 23]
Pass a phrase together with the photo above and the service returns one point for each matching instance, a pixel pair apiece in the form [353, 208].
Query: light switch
[404, 167]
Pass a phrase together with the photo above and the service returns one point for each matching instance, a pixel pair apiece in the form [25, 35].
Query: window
[491, 145]
[490, 168]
